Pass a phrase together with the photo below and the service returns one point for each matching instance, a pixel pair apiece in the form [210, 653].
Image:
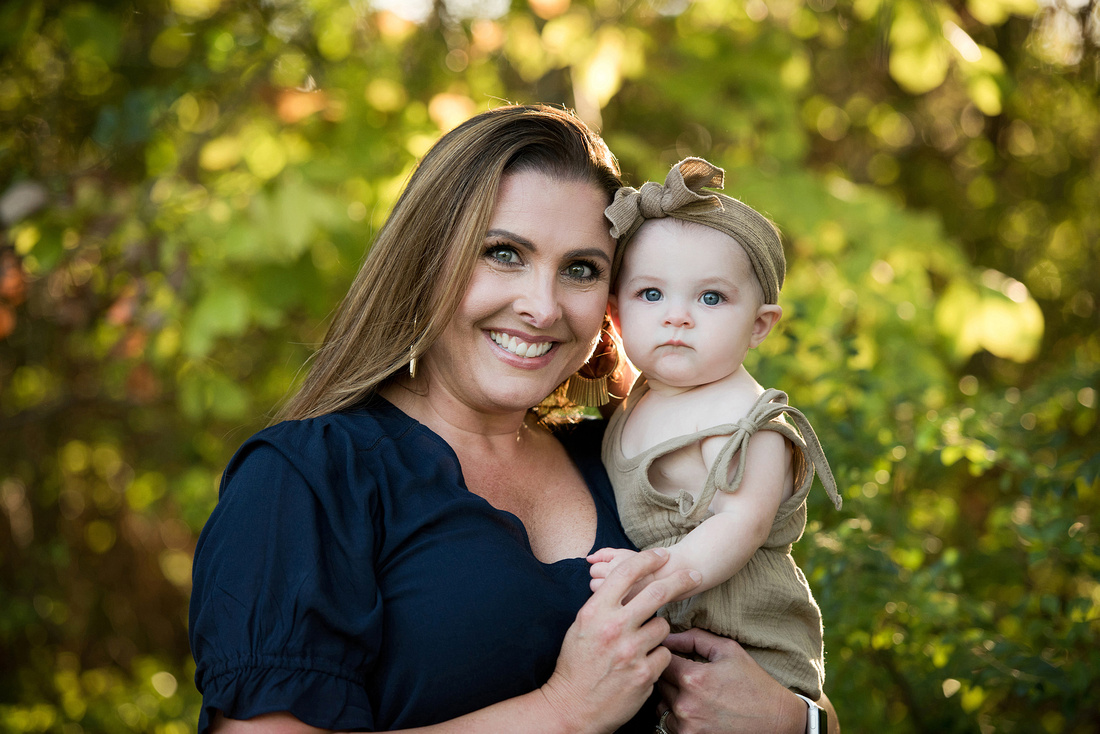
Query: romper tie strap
[768, 407]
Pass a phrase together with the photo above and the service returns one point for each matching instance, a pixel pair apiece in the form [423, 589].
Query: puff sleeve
[285, 609]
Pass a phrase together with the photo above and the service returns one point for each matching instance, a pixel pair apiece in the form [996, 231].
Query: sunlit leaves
[597, 78]
[196, 9]
[385, 95]
[91, 33]
[918, 57]
[335, 33]
[995, 12]
[447, 111]
[926, 41]
[170, 48]
[264, 153]
[1060, 37]
[221, 153]
[221, 311]
[999, 315]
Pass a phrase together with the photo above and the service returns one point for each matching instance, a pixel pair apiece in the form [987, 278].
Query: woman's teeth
[518, 347]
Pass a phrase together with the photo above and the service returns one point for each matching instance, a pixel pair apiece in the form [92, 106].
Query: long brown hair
[417, 271]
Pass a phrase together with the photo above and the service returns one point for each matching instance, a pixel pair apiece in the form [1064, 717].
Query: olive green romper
[767, 606]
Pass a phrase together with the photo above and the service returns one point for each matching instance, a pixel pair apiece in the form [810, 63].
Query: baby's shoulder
[723, 403]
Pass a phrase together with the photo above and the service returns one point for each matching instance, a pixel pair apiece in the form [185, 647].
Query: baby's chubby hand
[604, 561]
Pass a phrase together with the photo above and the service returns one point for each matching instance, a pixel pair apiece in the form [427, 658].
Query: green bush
[187, 187]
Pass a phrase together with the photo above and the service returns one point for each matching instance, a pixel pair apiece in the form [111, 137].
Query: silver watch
[817, 720]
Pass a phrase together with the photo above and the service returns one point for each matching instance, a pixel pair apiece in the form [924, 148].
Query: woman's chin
[504, 394]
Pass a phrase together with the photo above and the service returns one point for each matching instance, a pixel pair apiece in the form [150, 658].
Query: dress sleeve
[285, 610]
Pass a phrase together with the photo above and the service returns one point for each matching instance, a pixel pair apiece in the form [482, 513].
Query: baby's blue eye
[710, 298]
[651, 294]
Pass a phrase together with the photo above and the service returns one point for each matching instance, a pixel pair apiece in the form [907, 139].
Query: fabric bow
[632, 207]
[681, 197]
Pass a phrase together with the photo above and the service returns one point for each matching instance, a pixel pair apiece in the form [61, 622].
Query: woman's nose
[537, 303]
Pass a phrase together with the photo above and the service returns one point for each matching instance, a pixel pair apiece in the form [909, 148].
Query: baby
[705, 461]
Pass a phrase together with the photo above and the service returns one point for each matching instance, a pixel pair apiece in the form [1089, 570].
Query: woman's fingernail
[695, 576]
[662, 552]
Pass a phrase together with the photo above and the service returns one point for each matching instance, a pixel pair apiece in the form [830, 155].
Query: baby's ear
[767, 316]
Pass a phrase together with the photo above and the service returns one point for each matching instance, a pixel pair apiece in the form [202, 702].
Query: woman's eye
[503, 254]
[710, 298]
[651, 294]
[580, 271]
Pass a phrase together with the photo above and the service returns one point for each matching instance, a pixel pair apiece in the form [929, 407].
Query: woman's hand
[612, 654]
[730, 693]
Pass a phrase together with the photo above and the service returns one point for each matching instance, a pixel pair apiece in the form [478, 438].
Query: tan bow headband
[680, 198]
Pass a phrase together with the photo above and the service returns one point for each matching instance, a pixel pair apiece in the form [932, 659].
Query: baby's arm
[724, 543]
[742, 519]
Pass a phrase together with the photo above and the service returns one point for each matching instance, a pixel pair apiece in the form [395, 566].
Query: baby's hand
[604, 562]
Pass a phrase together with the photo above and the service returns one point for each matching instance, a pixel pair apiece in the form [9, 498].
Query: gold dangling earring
[587, 392]
[588, 387]
[412, 353]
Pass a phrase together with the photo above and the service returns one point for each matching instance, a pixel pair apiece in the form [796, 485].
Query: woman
[408, 550]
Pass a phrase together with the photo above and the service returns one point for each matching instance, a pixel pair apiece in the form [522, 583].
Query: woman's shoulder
[363, 425]
[318, 460]
[360, 431]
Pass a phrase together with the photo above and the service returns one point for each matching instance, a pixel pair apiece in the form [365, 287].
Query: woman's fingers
[704, 643]
[655, 594]
[653, 633]
[728, 693]
[623, 576]
[612, 655]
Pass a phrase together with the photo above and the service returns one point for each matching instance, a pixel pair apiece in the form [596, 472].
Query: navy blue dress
[349, 577]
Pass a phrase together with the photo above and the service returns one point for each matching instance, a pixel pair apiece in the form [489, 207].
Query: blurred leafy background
[187, 187]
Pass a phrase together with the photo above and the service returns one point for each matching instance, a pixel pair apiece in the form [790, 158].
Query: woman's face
[533, 309]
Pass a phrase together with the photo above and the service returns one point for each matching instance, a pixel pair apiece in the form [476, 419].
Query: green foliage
[187, 187]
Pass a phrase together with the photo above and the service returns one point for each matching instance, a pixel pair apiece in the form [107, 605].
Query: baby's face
[688, 303]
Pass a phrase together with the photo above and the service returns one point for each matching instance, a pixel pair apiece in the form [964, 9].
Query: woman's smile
[521, 347]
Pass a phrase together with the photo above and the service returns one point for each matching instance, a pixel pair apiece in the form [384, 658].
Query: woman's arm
[729, 694]
[611, 657]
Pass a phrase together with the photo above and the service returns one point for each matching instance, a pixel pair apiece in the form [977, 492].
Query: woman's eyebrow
[512, 237]
[590, 252]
